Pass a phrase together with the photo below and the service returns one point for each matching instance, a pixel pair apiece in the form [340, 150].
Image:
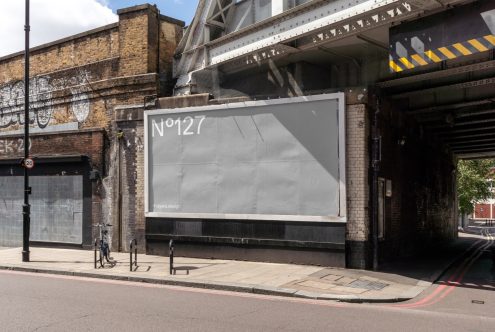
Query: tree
[472, 183]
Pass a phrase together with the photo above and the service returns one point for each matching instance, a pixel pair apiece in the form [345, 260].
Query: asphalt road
[36, 302]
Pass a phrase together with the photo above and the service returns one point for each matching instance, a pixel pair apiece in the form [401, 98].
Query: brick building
[75, 85]
[486, 210]
[249, 72]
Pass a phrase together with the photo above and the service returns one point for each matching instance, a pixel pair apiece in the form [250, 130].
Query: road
[37, 302]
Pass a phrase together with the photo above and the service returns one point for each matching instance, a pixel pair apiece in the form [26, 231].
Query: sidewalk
[396, 283]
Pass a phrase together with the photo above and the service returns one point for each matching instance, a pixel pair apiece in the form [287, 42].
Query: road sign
[29, 163]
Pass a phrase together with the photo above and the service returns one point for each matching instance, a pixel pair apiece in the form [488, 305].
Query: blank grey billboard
[266, 160]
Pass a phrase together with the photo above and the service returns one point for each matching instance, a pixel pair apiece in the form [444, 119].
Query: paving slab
[313, 282]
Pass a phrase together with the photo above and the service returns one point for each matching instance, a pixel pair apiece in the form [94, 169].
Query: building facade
[485, 210]
[404, 129]
[314, 132]
[75, 85]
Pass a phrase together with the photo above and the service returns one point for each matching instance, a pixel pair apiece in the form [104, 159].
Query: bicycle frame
[103, 243]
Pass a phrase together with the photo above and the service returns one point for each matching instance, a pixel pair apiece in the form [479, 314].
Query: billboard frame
[340, 96]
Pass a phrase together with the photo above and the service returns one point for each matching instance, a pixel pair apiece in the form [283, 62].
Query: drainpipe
[120, 136]
[375, 165]
[159, 33]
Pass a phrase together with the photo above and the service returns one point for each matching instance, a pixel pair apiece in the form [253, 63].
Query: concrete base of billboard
[309, 256]
[266, 241]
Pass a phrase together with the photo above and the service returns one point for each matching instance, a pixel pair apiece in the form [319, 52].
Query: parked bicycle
[103, 245]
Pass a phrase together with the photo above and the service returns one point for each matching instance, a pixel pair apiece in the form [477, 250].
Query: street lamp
[26, 207]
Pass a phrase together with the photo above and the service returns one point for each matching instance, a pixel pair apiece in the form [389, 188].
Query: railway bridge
[343, 120]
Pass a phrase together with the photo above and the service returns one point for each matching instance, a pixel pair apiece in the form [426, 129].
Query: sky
[54, 19]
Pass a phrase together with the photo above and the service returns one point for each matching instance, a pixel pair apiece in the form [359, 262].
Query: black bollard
[96, 248]
[171, 255]
[135, 252]
[133, 245]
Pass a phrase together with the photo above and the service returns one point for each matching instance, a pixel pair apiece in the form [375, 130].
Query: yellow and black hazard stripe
[456, 50]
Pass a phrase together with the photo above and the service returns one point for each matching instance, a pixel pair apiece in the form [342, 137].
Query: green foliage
[472, 184]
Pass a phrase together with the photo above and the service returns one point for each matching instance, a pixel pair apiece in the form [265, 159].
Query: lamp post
[26, 213]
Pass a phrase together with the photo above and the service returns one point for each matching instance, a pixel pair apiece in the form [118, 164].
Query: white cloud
[50, 20]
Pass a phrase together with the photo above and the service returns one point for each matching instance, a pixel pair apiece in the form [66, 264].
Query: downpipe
[375, 166]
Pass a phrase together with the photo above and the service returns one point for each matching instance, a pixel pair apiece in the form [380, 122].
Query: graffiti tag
[41, 107]
[13, 145]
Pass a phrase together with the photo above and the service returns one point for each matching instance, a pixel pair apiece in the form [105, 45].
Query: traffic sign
[28, 163]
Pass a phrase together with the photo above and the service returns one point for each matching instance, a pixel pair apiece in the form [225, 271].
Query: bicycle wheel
[106, 255]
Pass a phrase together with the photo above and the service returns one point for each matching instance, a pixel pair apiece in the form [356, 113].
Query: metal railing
[133, 246]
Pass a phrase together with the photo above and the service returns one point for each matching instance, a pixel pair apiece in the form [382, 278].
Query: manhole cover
[366, 284]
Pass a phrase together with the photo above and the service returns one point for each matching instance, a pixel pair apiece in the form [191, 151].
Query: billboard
[279, 159]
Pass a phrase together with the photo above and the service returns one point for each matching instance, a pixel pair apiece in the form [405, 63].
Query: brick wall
[357, 161]
[76, 83]
[482, 211]
[129, 121]
[421, 213]
[80, 78]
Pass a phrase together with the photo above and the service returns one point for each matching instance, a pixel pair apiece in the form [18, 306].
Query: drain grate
[366, 284]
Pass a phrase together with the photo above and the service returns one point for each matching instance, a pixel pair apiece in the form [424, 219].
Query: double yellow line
[453, 51]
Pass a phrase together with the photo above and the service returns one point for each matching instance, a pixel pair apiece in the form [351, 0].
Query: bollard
[171, 255]
[135, 254]
[96, 248]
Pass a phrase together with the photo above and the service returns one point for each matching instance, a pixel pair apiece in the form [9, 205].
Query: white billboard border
[262, 217]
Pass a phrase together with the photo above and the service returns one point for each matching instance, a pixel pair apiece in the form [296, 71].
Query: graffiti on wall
[41, 99]
[13, 145]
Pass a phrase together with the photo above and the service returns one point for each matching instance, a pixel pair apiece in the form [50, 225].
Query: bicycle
[104, 247]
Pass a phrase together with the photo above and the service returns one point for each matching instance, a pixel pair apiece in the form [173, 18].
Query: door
[56, 209]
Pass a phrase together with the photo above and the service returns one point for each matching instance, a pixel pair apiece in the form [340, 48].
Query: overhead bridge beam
[476, 155]
[303, 27]
[455, 140]
[454, 107]
[317, 23]
[474, 150]
[472, 146]
[469, 131]
[457, 86]
[442, 73]
[447, 126]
